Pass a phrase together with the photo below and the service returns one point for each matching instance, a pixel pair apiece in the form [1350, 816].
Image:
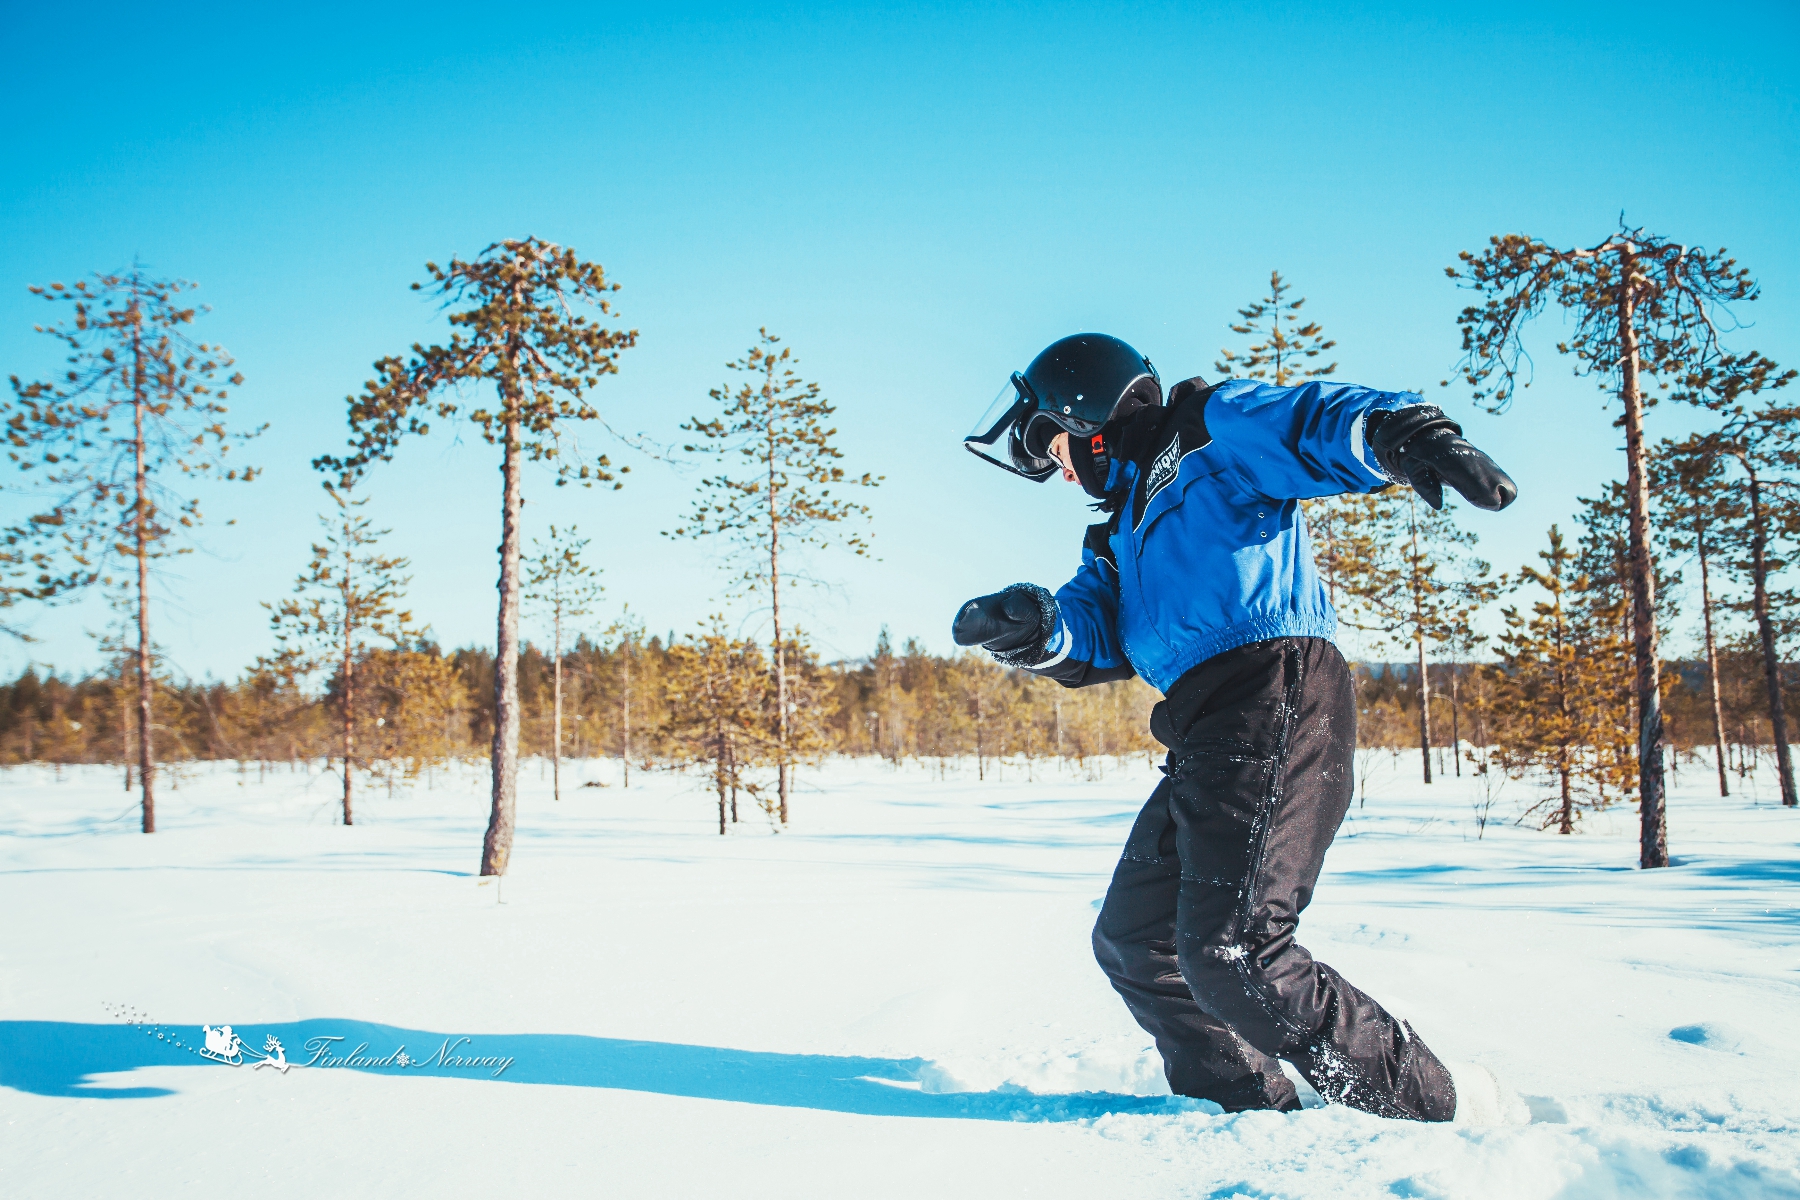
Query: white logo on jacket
[1166, 466]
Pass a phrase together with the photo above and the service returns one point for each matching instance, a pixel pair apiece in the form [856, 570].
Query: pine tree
[345, 601]
[1697, 509]
[1606, 618]
[1760, 438]
[415, 697]
[1772, 504]
[140, 403]
[1283, 356]
[1339, 527]
[276, 714]
[519, 333]
[627, 637]
[773, 428]
[1553, 690]
[1414, 583]
[566, 588]
[1347, 534]
[1641, 305]
[1463, 642]
[715, 696]
[1759, 444]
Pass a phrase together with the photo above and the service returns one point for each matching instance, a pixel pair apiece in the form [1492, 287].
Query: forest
[1575, 692]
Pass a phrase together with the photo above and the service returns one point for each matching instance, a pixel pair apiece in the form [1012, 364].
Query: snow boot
[1482, 1099]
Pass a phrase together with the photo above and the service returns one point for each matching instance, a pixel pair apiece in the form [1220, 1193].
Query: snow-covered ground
[896, 998]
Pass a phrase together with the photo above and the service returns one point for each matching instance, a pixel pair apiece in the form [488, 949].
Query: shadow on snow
[59, 1058]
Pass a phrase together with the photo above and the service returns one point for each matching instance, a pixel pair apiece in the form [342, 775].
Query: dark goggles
[1000, 435]
[1016, 430]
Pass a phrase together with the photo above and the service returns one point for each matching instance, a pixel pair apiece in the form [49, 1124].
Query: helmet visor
[997, 436]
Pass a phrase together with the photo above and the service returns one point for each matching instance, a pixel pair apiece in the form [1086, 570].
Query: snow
[896, 998]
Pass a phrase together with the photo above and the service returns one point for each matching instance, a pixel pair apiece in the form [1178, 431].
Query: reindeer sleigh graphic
[226, 1047]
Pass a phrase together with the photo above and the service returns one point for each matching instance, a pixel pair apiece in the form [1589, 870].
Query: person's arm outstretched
[1320, 439]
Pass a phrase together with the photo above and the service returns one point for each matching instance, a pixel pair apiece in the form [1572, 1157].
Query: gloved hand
[1014, 625]
[1423, 447]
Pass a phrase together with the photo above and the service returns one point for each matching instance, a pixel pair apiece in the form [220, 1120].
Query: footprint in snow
[1711, 1035]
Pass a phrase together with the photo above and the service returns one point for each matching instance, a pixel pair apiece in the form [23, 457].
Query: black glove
[1014, 625]
[1423, 447]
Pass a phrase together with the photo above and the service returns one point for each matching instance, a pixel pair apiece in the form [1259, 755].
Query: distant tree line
[1572, 690]
[422, 707]
[707, 698]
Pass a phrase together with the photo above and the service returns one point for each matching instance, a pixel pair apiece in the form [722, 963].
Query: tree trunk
[1653, 837]
[719, 771]
[580, 746]
[1455, 720]
[349, 707]
[349, 670]
[781, 701]
[141, 531]
[556, 721]
[1765, 628]
[1712, 664]
[1565, 684]
[1424, 711]
[125, 726]
[732, 746]
[980, 747]
[496, 848]
[1418, 589]
[1567, 823]
[625, 757]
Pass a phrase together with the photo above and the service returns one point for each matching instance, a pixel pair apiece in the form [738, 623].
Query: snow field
[896, 996]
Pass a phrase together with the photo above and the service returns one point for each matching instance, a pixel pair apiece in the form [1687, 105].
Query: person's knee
[1251, 992]
[1224, 978]
[1211, 967]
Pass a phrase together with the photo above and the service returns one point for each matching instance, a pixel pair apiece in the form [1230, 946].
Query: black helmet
[1077, 384]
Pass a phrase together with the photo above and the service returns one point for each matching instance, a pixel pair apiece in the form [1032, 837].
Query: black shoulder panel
[1183, 432]
[1186, 388]
[1187, 405]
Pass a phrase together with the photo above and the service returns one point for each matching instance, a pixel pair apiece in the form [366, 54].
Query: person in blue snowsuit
[1201, 581]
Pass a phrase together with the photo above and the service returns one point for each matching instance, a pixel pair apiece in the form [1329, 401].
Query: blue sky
[916, 198]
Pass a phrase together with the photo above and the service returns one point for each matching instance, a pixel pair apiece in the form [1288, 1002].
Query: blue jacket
[1210, 551]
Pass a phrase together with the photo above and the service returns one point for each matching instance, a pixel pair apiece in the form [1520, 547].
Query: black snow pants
[1197, 930]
